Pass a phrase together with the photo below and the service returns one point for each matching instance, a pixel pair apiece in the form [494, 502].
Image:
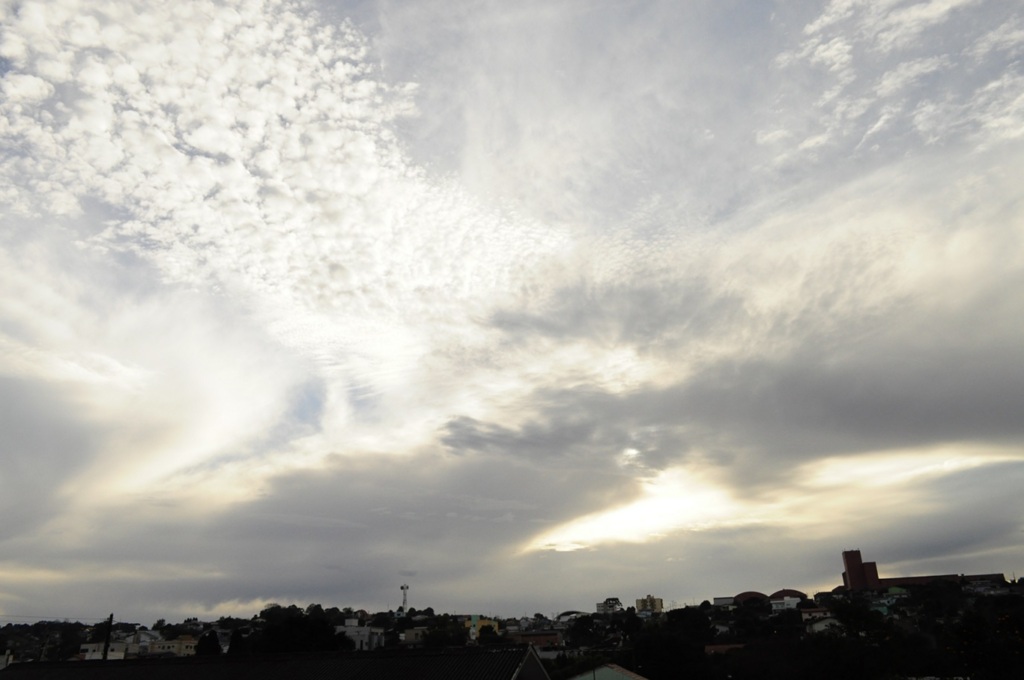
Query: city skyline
[303, 300]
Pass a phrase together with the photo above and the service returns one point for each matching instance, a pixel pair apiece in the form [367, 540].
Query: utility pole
[106, 639]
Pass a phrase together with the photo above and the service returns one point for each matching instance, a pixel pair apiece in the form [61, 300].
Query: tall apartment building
[649, 604]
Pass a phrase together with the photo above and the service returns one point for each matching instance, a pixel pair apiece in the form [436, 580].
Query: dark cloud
[347, 534]
[968, 515]
[556, 440]
[811, 405]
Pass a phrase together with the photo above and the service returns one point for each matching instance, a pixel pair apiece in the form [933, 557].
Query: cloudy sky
[523, 304]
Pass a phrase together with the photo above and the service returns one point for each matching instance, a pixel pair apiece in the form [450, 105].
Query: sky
[524, 305]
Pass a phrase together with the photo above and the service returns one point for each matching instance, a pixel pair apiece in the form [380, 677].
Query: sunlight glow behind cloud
[672, 501]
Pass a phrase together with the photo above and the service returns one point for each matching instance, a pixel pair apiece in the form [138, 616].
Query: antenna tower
[405, 597]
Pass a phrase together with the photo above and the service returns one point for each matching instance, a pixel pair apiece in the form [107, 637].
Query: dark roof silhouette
[749, 595]
[518, 662]
[787, 592]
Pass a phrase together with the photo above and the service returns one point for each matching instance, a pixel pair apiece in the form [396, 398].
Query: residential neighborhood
[921, 626]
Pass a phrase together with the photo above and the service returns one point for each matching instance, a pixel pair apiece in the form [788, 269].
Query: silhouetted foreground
[503, 663]
[937, 631]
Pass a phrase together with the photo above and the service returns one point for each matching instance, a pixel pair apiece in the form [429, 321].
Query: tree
[749, 624]
[173, 631]
[300, 634]
[445, 632]
[239, 645]
[381, 619]
[100, 631]
[787, 623]
[488, 636]
[275, 613]
[231, 622]
[670, 651]
[583, 632]
[208, 644]
[628, 623]
[692, 624]
[858, 619]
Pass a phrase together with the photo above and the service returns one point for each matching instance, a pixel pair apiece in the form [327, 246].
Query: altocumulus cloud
[581, 299]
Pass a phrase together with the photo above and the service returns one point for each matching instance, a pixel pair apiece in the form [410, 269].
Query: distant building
[649, 604]
[814, 613]
[93, 651]
[183, 646]
[750, 596]
[861, 575]
[140, 641]
[825, 624]
[475, 622]
[363, 637]
[412, 637]
[139, 644]
[784, 603]
[858, 574]
[787, 598]
[609, 606]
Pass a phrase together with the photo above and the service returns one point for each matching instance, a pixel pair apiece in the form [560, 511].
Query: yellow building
[475, 623]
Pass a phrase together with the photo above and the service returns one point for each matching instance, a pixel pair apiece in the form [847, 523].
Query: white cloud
[250, 150]
[876, 58]
[899, 78]
[26, 89]
[1008, 37]
[902, 27]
